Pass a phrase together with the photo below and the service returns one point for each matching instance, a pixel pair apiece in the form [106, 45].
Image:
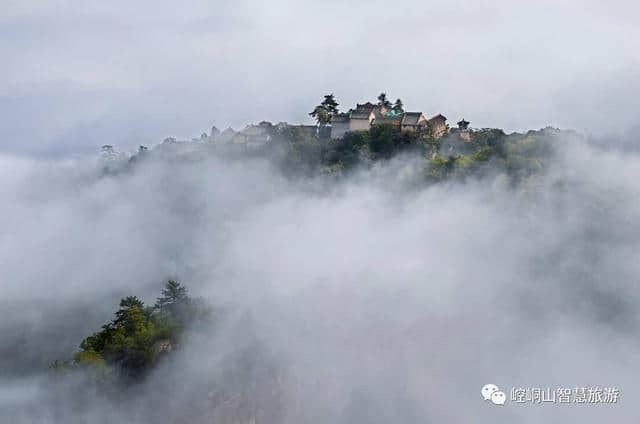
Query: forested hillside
[301, 150]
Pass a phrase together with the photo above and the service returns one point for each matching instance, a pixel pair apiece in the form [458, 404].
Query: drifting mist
[363, 300]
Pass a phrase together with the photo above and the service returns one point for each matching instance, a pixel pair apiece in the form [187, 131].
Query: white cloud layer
[381, 303]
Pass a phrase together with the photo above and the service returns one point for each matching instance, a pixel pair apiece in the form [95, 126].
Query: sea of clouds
[370, 299]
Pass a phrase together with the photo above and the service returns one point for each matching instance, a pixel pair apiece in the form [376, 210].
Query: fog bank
[358, 300]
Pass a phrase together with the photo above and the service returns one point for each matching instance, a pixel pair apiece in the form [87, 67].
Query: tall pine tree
[325, 110]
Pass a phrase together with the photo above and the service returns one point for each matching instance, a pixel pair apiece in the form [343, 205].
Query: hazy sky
[79, 74]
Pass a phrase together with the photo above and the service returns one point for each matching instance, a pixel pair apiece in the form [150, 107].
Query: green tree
[330, 104]
[125, 304]
[383, 101]
[325, 110]
[398, 107]
[175, 309]
[172, 293]
[347, 152]
[89, 357]
[321, 115]
[381, 140]
[99, 340]
[129, 343]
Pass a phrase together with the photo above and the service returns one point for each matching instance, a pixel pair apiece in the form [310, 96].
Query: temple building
[367, 114]
[438, 125]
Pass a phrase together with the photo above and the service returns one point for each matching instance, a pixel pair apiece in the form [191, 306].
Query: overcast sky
[79, 74]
